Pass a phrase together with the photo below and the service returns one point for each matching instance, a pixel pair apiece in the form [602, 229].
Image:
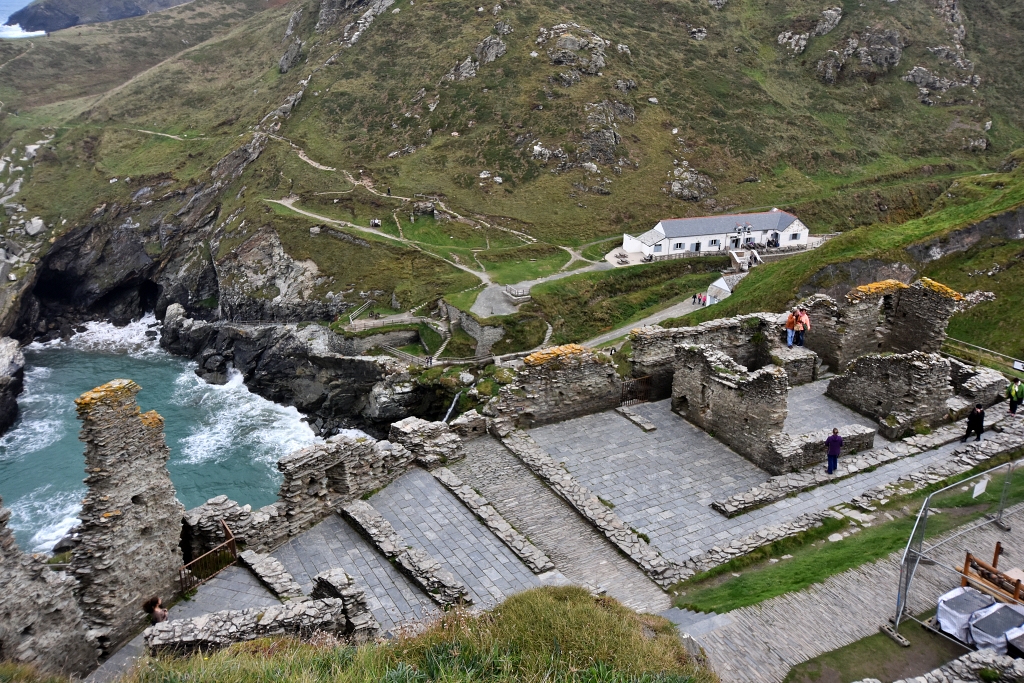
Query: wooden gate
[635, 391]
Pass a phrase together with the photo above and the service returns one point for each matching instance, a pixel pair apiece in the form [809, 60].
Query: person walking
[1015, 392]
[975, 423]
[694, 302]
[791, 327]
[834, 444]
[803, 323]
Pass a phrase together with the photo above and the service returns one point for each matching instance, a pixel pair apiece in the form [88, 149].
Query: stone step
[696, 623]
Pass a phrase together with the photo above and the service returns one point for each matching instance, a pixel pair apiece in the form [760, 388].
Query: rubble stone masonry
[131, 519]
[40, 623]
[741, 408]
[898, 390]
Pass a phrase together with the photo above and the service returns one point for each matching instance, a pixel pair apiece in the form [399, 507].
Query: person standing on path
[834, 444]
[694, 302]
[1015, 392]
[975, 423]
[803, 324]
[791, 327]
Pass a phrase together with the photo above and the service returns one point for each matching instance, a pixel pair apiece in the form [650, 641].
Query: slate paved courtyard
[810, 409]
[662, 482]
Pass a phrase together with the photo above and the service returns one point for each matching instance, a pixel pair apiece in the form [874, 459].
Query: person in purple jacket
[834, 444]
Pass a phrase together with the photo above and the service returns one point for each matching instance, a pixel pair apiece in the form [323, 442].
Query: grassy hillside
[738, 111]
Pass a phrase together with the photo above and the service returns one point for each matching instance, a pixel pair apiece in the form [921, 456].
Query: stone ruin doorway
[635, 391]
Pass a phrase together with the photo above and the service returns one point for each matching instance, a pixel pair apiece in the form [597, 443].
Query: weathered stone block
[977, 384]
[271, 574]
[469, 425]
[362, 627]
[432, 443]
[800, 363]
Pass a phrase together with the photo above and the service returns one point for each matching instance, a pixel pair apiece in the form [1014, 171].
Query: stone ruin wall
[557, 384]
[41, 624]
[741, 408]
[318, 479]
[879, 317]
[486, 336]
[130, 520]
[745, 339]
[898, 390]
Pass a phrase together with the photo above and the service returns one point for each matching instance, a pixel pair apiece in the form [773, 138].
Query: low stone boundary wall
[272, 574]
[660, 569]
[783, 485]
[220, 629]
[433, 443]
[362, 627]
[967, 668]
[531, 556]
[792, 453]
[416, 563]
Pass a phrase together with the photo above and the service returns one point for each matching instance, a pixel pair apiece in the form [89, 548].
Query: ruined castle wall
[745, 338]
[356, 346]
[131, 519]
[40, 622]
[921, 315]
[486, 336]
[896, 389]
[743, 409]
[558, 384]
[318, 479]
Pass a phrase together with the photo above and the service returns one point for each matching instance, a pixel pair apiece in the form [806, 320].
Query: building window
[695, 246]
[712, 243]
[657, 248]
[794, 236]
[678, 245]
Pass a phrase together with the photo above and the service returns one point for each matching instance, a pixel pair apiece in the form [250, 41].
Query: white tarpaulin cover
[955, 610]
[990, 625]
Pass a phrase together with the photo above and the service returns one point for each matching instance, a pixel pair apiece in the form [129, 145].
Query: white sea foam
[43, 426]
[235, 416]
[7, 32]
[109, 338]
[52, 517]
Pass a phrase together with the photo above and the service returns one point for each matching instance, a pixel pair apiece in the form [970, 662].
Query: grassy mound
[547, 634]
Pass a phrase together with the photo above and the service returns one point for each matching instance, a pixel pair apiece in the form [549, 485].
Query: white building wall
[631, 245]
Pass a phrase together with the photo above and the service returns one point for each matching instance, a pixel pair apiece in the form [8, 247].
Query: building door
[735, 242]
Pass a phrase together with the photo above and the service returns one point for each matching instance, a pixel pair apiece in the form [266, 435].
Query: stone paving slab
[663, 482]
[332, 544]
[430, 517]
[580, 552]
[810, 409]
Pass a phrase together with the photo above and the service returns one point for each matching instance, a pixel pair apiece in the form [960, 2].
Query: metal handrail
[209, 564]
[355, 314]
[982, 348]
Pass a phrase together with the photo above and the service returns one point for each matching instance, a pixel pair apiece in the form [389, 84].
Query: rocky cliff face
[53, 15]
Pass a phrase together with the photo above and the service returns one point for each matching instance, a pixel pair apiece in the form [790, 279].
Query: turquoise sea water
[223, 439]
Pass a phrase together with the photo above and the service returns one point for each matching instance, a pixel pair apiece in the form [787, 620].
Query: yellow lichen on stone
[555, 352]
[942, 289]
[152, 419]
[882, 287]
[113, 392]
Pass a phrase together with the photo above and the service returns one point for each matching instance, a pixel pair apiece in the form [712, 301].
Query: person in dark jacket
[975, 423]
[834, 444]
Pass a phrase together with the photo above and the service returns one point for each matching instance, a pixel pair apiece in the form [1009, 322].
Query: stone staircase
[695, 623]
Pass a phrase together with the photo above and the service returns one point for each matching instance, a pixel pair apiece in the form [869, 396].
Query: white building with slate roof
[678, 237]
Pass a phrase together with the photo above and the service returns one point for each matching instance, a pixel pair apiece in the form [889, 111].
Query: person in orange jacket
[791, 327]
[803, 323]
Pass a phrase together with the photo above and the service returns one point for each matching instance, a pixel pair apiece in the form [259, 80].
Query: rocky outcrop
[415, 563]
[54, 15]
[796, 42]
[40, 622]
[576, 47]
[1008, 225]
[131, 519]
[877, 52]
[217, 630]
[305, 366]
[291, 56]
[293, 23]
[690, 185]
[12, 381]
[489, 49]
[332, 10]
